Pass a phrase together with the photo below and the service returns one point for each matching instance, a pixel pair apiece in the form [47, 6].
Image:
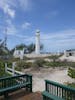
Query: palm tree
[3, 50]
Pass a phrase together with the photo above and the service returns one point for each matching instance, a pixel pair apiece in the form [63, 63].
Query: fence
[12, 70]
[55, 90]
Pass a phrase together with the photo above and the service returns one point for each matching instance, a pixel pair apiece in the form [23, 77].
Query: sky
[54, 18]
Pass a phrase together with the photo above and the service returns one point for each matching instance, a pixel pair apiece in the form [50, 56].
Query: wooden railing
[58, 90]
[12, 70]
[11, 83]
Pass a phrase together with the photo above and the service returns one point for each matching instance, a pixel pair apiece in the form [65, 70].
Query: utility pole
[5, 39]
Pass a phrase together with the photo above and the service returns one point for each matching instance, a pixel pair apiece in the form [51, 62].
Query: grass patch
[22, 65]
[60, 64]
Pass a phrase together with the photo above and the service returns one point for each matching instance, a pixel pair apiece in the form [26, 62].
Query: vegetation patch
[2, 69]
[71, 84]
[22, 65]
[71, 73]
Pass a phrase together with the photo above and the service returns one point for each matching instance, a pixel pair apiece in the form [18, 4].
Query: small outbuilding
[20, 53]
[70, 52]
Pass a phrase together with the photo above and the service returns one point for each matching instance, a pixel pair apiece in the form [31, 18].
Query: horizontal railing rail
[12, 71]
[59, 90]
[10, 77]
[13, 82]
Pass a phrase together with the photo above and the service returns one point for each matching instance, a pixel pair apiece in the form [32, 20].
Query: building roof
[70, 50]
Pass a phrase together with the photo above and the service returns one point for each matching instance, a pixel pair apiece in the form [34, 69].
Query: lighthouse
[37, 45]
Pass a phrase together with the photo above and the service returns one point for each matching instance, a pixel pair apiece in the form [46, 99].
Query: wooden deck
[22, 95]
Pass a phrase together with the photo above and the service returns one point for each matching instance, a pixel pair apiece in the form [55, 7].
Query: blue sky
[54, 18]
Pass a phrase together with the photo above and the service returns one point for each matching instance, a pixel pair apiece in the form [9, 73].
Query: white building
[37, 44]
[70, 52]
[20, 53]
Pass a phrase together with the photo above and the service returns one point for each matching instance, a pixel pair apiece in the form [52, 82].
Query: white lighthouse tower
[37, 46]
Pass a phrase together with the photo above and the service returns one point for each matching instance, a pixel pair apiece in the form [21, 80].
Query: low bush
[71, 72]
[22, 65]
[55, 64]
[38, 63]
[2, 69]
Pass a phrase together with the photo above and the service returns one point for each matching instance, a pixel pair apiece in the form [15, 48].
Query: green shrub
[2, 69]
[22, 65]
[39, 62]
[25, 58]
[55, 64]
[54, 57]
[71, 72]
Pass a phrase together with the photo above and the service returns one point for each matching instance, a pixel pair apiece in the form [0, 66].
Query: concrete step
[22, 95]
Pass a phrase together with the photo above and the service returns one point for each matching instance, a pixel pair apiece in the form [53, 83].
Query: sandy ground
[33, 55]
[56, 74]
[70, 58]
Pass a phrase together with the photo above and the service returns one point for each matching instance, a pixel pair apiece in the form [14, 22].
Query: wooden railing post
[13, 68]
[6, 67]
[30, 83]
[46, 85]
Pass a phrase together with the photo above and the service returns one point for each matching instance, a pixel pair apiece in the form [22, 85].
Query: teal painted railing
[59, 90]
[13, 82]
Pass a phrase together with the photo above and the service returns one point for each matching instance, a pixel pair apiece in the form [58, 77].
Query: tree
[31, 47]
[41, 46]
[54, 57]
[28, 48]
[21, 46]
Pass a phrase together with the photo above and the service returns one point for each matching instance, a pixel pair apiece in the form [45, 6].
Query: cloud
[61, 40]
[58, 41]
[26, 25]
[53, 42]
[52, 14]
[13, 31]
[20, 36]
[25, 4]
[59, 35]
[5, 5]
[9, 11]
[10, 6]
[10, 28]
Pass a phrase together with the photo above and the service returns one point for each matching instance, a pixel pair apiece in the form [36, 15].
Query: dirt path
[57, 75]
